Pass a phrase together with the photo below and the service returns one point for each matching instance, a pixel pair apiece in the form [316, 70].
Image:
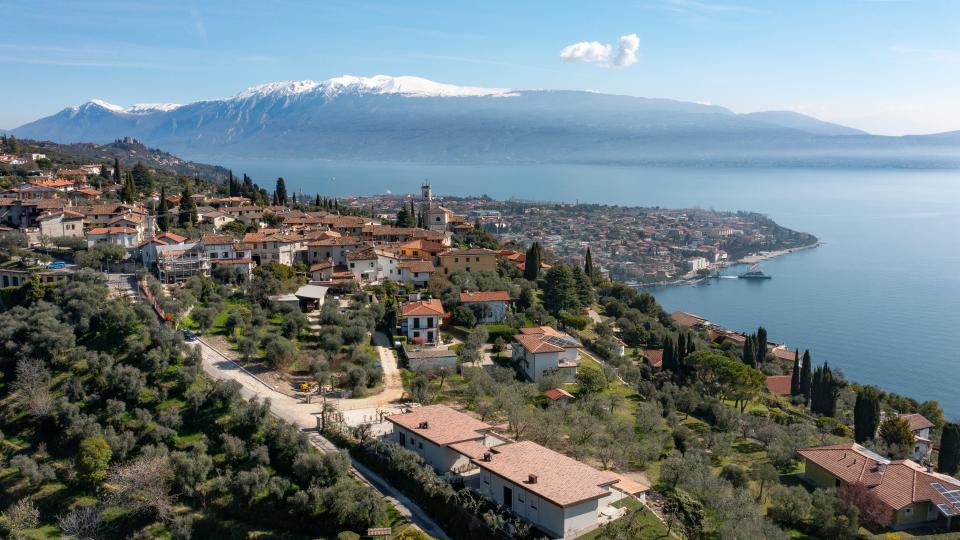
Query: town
[432, 367]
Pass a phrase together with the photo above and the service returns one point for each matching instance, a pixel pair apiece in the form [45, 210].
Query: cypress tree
[805, 376]
[188, 208]
[761, 343]
[280, 194]
[866, 414]
[749, 350]
[668, 358]
[316, 201]
[949, 461]
[116, 170]
[823, 394]
[531, 263]
[588, 263]
[163, 214]
[795, 375]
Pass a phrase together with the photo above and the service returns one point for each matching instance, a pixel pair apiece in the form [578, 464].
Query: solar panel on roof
[939, 487]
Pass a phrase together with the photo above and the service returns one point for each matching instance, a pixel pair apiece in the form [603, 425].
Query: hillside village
[483, 358]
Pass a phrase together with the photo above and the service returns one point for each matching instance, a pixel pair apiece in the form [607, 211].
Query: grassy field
[650, 526]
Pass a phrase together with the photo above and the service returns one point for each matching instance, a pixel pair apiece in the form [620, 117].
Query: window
[353, 265]
[420, 445]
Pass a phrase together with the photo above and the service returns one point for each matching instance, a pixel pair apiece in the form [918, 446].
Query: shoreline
[747, 259]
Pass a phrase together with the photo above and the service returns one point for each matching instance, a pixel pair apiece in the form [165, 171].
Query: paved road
[218, 366]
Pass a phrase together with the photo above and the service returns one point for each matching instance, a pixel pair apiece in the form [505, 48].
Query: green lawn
[651, 528]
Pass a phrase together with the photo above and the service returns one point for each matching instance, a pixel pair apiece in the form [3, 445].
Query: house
[558, 395]
[432, 432]
[543, 351]
[420, 320]
[920, 427]
[416, 273]
[654, 358]
[61, 223]
[432, 359]
[469, 260]
[489, 307]
[780, 385]
[179, 262]
[335, 248]
[913, 494]
[559, 495]
[224, 250]
[127, 237]
[421, 249]
[689, 320]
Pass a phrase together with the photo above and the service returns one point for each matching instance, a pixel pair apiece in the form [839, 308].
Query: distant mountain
[794, 120]
[413, 119]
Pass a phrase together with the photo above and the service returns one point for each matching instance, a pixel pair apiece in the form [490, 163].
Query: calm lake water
[880, 299]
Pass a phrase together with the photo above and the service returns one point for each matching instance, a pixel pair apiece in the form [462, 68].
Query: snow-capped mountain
[414, 119]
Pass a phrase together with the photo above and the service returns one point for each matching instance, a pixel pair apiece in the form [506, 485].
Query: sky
[885, 66]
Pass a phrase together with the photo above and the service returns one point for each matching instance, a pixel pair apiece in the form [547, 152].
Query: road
[219, 366]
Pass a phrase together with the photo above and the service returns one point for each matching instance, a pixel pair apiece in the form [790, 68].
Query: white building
[541, 351]
[421, 320]
[432, 360]
[430, 431]
[61, 223]
[489, 306]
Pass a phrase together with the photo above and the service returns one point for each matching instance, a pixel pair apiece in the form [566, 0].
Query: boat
[754, 273]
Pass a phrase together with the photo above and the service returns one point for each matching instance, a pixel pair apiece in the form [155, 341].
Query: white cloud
[594, 52]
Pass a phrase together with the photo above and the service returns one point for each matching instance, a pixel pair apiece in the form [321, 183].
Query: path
[219, 366]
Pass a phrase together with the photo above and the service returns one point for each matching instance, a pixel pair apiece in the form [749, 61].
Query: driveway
[219, 366]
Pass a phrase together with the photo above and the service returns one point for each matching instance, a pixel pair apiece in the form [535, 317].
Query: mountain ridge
[414, 119]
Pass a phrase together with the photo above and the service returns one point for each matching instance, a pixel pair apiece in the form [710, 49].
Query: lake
[880, 299]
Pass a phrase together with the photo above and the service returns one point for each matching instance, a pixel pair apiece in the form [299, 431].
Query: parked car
[189, 336]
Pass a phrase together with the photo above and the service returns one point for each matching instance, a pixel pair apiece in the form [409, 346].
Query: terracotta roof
[217, 239]
[779, 384]
[418, 266]
[559, 479]
[488, 296]
[112, 230]
[421, 308]
[629, 485]
[471, 449]
[554, 394]
[444, 425]
[686, 319]
[916, 421]
[323, 265]
[176, 238]
[654, 357]
[896, 483]
[471, 251]
[534, 343]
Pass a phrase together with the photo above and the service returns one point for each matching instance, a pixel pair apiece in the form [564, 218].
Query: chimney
[532, 479]
[487, 456]
[424, 425]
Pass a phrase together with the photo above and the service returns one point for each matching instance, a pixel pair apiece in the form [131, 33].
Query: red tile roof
[916, 421]
[554, 394]
[488, 296]
[444, 425]
[779, 384]
[896, 483]
[419, 308]
[654, 357]
[559, 479]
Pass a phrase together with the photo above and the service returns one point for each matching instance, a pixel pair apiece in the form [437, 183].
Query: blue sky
[887, 66]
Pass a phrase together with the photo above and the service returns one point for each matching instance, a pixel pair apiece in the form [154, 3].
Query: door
[508, 497]
[403, 440]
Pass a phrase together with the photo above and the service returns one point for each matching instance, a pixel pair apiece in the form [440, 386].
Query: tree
[116, 170]
[141, 176]
[532, 262]
[591, 379]
[795, 375]
[163, 212]
[749, 352]
[895, 431]
[764, 473]
[949, 461]
[805, 376]
[20, 516]
[824, 388]
[405, 218]
[873, 511]
[280, 193]
[866, 414]
[761, 345]
[94, 459]
[588, 264]
[681, 508]
[789, 505]
[188, 208]
[584, 286]
[560, 290]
